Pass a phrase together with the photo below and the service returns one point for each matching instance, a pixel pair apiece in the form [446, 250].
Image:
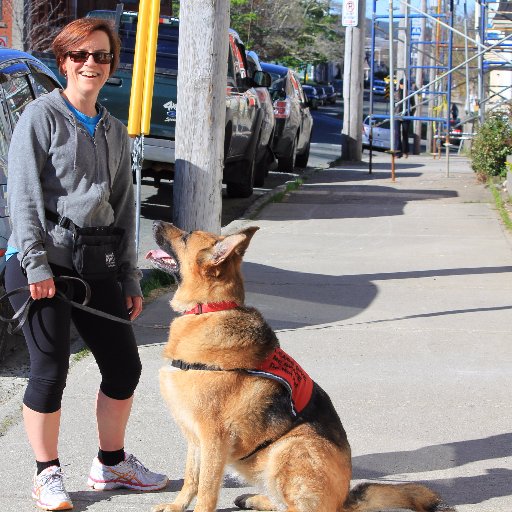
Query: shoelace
[136, 463]
[53, 482]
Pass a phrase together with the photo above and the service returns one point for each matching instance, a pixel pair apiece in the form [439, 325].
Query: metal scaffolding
[446, 67]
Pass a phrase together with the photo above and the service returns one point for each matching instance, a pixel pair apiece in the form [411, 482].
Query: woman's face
[87, 78]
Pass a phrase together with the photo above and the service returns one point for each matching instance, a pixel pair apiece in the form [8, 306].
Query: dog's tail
[366, 497]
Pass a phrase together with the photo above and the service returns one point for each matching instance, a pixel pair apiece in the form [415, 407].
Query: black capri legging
[47, 333]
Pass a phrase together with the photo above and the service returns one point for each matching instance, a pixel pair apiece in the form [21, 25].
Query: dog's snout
[157, 225]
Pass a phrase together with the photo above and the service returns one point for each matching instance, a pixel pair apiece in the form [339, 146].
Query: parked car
[338, 86]
[379, 87]
[294, 123]
[381, 134]
[265, 159]
[311, 96]
[331, 94]
[23, 78]
[455, 132]
[322, 95]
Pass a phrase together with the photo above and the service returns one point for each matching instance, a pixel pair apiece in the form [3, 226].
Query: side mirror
[262, 79]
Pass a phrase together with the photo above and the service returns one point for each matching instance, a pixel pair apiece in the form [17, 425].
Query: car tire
[302, 158]
[242, 190]
[287, 163]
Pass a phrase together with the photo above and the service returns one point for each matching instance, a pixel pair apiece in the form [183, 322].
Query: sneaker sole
[109, 486]
[65, 505]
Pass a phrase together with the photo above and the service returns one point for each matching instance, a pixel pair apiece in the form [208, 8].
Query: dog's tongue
[156, 254]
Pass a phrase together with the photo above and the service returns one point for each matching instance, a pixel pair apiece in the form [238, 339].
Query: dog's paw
[254, 502]
[241, 501]
[167, 507]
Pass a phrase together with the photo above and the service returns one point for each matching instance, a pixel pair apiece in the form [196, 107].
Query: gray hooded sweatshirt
[54, 163]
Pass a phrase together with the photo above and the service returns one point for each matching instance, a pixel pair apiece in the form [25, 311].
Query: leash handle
[21, 315]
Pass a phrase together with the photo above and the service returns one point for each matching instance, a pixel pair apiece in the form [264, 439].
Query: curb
[266, 198]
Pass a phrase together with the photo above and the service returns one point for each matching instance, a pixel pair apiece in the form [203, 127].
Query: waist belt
[63, 222]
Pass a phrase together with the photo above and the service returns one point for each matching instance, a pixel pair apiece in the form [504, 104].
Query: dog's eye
[185, 238]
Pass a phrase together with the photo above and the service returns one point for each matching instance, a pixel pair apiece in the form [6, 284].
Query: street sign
[3, 41]
[350, 13]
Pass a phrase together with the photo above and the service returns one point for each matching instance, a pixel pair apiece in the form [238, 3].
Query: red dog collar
[211, 307]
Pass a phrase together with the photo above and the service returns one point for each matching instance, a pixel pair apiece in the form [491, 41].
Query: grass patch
[501, 204]
[155, 280]
[290, 186]
[82, 354]
[6, 424]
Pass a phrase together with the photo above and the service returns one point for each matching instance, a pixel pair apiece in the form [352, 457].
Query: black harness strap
[182, 365]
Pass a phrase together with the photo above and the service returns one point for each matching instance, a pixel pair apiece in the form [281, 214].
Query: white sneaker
[49, 491]
[130, 474]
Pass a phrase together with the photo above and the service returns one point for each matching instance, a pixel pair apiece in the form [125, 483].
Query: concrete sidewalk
[394, 296]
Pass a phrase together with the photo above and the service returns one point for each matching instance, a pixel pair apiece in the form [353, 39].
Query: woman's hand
[43, 289]
[134, 306]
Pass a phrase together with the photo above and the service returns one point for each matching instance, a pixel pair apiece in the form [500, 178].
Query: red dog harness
[284, 369]
[278, 366]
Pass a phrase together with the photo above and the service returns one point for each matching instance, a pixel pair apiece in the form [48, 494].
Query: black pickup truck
[243, 110]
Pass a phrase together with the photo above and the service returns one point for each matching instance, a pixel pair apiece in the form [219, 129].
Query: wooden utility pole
[201, 114]
[353, 83]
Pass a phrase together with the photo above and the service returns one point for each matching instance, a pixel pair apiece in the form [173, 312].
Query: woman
[69, 158]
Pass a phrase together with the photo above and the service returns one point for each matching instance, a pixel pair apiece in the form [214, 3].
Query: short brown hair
[79, 30]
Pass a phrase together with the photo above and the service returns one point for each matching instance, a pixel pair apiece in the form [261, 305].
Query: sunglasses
[99, 57]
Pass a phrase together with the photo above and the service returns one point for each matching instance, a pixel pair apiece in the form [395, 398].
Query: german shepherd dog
[234, 411]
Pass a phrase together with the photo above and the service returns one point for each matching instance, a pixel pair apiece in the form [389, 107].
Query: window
[41, 83]
[18, 95]
[5, 135]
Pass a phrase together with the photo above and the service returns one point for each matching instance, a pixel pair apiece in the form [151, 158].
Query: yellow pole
[135, 110]
[149, 71]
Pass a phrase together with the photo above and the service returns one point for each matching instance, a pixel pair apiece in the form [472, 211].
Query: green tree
[294, 32]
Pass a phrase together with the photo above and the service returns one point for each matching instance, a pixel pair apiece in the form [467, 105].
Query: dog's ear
[232, 244]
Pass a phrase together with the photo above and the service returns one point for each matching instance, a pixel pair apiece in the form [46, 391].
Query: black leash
[22, 314]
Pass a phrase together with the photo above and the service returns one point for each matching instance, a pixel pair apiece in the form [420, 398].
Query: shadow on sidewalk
[325, 201]
[291, 300]
[82, 500]
[494, 483]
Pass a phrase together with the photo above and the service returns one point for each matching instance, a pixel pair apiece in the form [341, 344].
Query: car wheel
[242, 189]
[287, 163]
[302, 159]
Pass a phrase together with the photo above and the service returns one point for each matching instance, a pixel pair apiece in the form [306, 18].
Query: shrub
[491, 145]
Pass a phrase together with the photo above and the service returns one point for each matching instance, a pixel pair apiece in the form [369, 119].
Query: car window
[167, 44]
[41, 82]
[378, 123]
[5, 133]
[18, 95]
[299, 93]
[238, 52]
